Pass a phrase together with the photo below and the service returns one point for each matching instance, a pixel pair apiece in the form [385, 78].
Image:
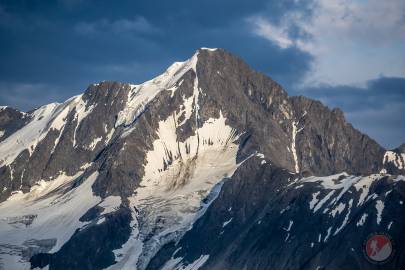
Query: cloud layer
[351, 41]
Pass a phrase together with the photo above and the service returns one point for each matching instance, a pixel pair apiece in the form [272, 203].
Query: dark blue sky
[346, 53]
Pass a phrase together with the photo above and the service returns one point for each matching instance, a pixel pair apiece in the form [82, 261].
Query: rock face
[210, 165]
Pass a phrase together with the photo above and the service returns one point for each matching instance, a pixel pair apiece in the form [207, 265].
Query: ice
[178, 175]
[181, 177]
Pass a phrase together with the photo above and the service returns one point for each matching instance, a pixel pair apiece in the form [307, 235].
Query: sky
[346, 53]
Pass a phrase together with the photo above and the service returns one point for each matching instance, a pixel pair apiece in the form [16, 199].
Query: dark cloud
[51, 50]
[376, 109]
[67, 43]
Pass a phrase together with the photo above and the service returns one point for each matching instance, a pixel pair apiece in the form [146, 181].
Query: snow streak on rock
[293, 146]
[28, 136]
[141, 95]
[178, 176]
[398, 159]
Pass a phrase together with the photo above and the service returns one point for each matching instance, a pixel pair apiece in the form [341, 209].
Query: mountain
[210, 165]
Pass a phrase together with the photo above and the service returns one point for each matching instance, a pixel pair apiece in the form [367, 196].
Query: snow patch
[314, 200]
[398, 159]
[209, 49]
[289, 226]
[142, 94]
[94, 143]
[324, 200]
[338, 209]
[362, 220]
[346, 218]
[379, 206]
[327, 235]
[293, 145]
[364, 185]
[110, 204]
[28, 136]
[176, 264]
[226, 223]
[178, 176]
[50, 211]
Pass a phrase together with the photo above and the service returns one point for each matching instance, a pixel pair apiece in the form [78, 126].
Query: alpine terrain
[210, 165]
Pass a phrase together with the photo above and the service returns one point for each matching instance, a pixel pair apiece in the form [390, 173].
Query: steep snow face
[140, 95]
[46, 118]
[28, 136]
[45, 218]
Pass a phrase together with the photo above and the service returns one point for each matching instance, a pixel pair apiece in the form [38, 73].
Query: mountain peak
[209, 49]
[143, 162]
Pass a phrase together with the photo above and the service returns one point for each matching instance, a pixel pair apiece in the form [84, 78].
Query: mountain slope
[133, 173]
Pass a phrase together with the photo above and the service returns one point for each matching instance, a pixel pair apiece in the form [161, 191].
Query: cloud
[265, 29]
[351, 41]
